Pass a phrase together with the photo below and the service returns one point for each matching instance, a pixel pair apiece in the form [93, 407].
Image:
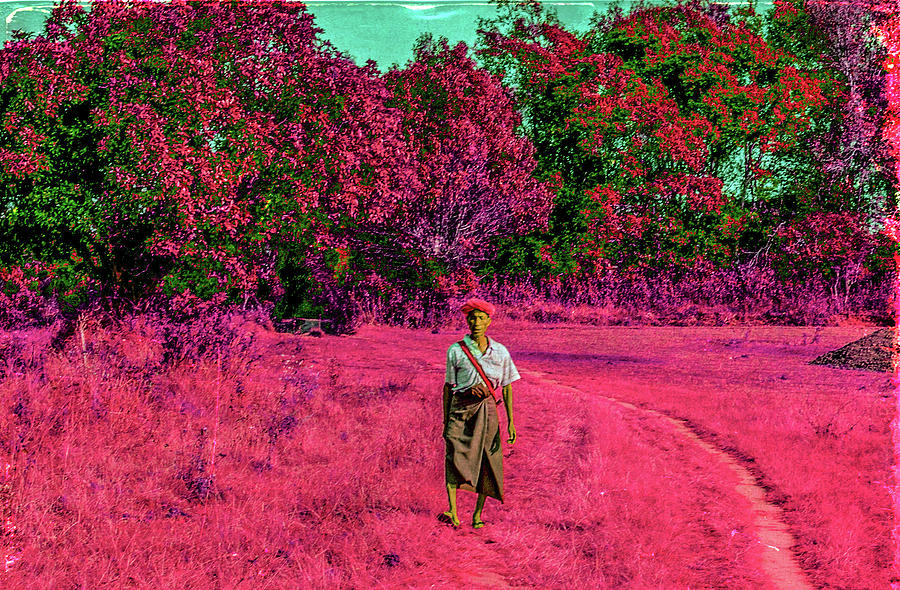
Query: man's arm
[446, 398]
[508, 404]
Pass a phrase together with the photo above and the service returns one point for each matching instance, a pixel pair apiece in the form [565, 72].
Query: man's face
[478, 322]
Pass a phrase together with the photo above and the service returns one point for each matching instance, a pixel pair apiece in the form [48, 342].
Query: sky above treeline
[381, 30]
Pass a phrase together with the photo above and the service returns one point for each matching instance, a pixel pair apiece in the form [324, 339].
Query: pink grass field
[282, 461]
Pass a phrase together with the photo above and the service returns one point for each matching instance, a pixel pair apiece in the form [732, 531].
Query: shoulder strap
[468, 353]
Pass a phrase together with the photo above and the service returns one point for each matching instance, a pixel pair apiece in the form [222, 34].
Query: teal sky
[386, 31]
[382, 30]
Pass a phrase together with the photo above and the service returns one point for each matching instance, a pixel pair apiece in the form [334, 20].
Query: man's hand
[511, 429]
[480, 390]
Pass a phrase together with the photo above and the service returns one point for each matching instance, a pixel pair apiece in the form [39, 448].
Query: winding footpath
[775, 541]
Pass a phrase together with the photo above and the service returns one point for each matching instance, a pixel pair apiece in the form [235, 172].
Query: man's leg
[476, 516]
[451, 498]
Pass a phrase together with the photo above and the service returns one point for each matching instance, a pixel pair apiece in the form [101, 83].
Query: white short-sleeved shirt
[495, 361]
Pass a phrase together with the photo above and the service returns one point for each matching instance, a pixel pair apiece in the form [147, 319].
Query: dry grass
[271, 461]
[817, 437]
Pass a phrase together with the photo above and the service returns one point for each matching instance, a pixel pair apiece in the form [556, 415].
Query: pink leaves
[27, 157]
[830, 244]
[784, 9]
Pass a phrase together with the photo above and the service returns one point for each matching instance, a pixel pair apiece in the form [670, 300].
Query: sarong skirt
[471, 430]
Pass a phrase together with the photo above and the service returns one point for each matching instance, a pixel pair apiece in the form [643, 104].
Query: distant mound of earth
[872, 353]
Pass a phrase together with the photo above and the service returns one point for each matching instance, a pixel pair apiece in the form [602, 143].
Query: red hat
[477, 305]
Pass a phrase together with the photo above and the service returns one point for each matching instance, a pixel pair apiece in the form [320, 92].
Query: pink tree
[474, 172]
[849, 149]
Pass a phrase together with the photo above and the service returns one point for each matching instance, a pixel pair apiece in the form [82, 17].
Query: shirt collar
[474, 345]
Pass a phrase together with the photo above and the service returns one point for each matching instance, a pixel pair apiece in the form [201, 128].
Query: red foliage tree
[212, 139]
[667, 125]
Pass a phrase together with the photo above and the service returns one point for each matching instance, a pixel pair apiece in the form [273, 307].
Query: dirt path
[775, 541]
[776, 557]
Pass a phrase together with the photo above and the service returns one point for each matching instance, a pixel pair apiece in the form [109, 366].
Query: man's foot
[477, 523]
[449, 518]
